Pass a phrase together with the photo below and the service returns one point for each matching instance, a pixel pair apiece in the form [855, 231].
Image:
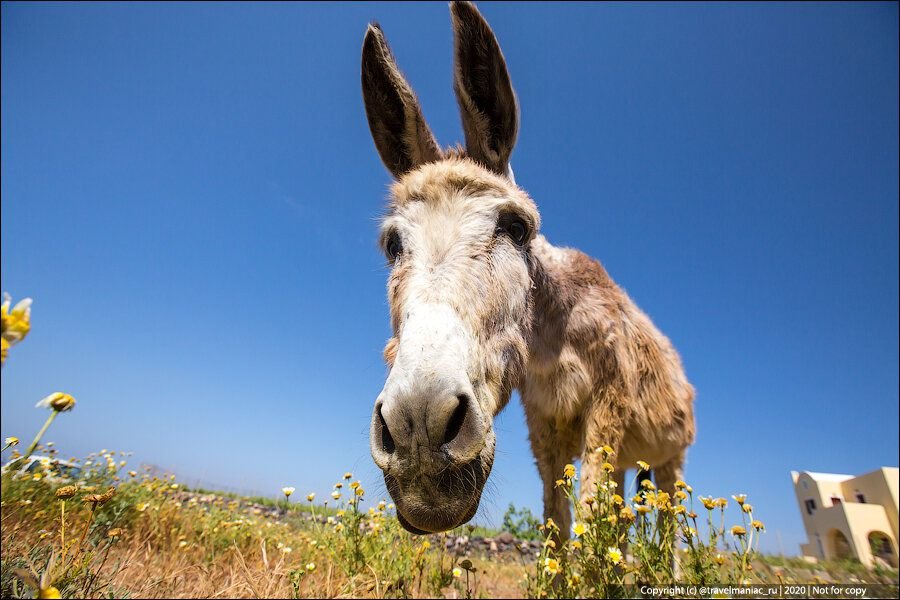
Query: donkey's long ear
[401, 134]
[487, 103]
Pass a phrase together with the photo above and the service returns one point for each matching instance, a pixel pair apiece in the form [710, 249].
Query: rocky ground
[504, 545]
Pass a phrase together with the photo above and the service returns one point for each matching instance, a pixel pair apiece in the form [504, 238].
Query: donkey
[482, 304]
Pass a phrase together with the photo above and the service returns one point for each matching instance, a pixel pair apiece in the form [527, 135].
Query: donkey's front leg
[603, 427]
[552, 452]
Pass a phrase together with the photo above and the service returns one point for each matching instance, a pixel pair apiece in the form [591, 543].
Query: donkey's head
[457, 237]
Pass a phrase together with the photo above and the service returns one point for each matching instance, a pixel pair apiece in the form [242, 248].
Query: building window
[860, 498]
[810, 506]
[836, 501]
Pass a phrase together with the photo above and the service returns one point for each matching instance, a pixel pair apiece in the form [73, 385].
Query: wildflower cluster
[644, 534]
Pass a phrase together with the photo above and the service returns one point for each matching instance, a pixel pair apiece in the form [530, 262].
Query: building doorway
[839, 545]
[882, 548]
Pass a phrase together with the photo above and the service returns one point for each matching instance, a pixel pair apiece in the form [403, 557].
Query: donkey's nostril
[454, 425]
[387, 442]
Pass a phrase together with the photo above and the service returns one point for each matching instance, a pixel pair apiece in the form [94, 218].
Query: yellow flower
[740, 498]
[679, 510]
[141, 507]
[348, 475]
[748, 508]
[757, 525]
[680, 485]
[643, 466]
[614, 555]
[16, 323]
[336, 494]
[354, 485]
[114, 532]
[579, 529]
[360, 491]
[738, 531]
[617, 499]
[642, 509]
[626, 515]
[719, 560]
[311, 567]
[561, 482]
[49, 593]
[57, 401]
[4, 350]
[608, 467]
[648, 485]
[681, 495]
[721, 502]
[287, 491]
[608, 450]
[551, 524]
[708, 502]
[569, 471]
[310, 496]
[457, 572]
[551, 566]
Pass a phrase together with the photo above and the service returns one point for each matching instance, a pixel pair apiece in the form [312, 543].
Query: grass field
[116, 531]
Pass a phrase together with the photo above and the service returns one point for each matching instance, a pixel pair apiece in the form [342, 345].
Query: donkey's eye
[393, 247]
[513, 226]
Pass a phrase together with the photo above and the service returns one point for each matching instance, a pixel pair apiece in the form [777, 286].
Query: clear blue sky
[190, 194]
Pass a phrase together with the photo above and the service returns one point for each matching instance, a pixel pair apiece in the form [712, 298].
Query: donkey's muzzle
[435, 456]
[426, 436]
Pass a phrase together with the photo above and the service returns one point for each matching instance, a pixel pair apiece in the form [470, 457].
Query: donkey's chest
[557, 386]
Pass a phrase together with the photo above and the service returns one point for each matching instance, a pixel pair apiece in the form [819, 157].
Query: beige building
[849, 517]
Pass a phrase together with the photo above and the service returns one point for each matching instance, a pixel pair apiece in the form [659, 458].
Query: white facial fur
[460, 295]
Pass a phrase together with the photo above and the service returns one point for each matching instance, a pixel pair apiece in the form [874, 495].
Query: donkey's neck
[561, 278]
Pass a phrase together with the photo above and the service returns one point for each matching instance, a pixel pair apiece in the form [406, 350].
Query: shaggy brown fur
[592, 368]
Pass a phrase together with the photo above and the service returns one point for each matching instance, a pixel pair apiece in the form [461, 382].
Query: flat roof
[835, 477]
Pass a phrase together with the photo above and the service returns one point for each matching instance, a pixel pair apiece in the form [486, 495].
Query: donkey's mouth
[440, 503]
[407, 526]
[436, 520]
